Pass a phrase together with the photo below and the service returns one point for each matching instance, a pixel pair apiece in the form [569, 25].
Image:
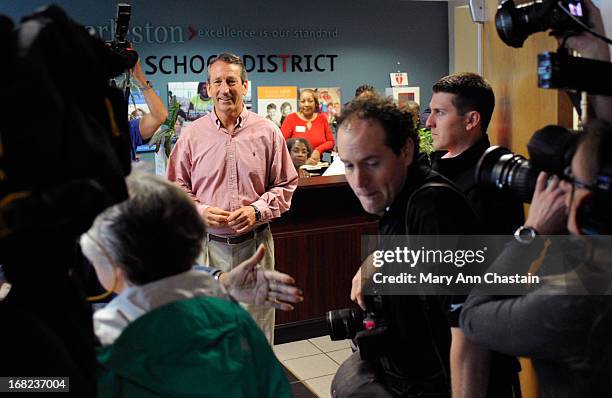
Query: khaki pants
[226, 257]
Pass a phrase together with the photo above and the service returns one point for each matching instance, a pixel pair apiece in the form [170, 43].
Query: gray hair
[154, 234]
[229, 58]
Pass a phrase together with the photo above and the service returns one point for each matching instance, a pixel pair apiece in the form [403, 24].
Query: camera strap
[425, 304]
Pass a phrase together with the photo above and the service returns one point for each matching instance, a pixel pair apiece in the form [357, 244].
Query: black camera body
[370, 329]
[555, 70]
[561, 71]
[514, 24]
[120, 45]
[550, 149]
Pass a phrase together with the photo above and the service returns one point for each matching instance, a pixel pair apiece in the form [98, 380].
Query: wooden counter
[318, 242]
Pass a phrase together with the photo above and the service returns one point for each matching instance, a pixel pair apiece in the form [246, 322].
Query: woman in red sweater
[308, 124]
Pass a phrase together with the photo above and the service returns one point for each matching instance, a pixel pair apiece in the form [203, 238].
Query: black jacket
[500, 211]
[568, 337]
[422, 350]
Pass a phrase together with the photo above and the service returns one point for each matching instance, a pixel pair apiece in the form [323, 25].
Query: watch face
[524, 234]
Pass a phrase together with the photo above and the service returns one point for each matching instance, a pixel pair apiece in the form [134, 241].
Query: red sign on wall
[399, 79]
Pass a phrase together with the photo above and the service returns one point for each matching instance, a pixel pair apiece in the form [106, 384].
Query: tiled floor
[312, 364]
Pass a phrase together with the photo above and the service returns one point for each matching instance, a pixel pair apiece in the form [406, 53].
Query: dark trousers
[357, 378]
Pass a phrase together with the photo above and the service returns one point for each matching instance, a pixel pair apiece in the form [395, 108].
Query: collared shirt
[135, 301]
[249, 166]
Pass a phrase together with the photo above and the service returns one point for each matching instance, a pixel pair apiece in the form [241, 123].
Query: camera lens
[504, 22]
[345, 323]
[502, 169]
[514, 24]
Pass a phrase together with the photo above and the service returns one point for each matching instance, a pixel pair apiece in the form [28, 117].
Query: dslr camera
[550, 149]
[370, 329]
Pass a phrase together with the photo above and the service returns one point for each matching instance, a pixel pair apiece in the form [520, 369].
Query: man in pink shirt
[236, 167]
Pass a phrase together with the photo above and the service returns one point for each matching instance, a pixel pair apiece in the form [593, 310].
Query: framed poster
[330, 101]
[137, 106]
[192, 97]
[401, 95]
[276, 102]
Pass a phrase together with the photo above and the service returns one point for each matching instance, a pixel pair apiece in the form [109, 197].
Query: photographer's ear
[471, 120]
[407, 152]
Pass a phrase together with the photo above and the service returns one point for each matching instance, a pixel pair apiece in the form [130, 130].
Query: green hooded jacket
[199, 347]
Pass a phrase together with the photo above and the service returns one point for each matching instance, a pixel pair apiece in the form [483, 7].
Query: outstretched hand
[249, 284]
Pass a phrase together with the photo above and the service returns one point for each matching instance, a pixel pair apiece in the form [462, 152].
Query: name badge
[300, 129]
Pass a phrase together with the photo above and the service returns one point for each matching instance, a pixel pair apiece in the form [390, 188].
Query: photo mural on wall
[276, 102]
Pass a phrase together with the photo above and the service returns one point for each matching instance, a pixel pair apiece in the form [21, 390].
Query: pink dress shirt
[250, 166]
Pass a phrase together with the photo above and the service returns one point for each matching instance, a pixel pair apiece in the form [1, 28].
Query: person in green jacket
[173, 330]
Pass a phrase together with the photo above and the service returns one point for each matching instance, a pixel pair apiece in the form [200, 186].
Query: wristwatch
[145, 87]
[257, 213]
[217, 274]
[525, 235]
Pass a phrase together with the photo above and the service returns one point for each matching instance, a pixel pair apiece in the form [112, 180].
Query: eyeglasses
[603, 182]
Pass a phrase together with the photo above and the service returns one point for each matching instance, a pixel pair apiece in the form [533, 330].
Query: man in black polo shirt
[378, 144]
[461, 109]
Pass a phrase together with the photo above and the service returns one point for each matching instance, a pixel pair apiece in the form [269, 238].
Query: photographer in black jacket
[378, 144]
[565, 332]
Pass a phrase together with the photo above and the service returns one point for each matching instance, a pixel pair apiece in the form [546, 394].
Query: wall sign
[399, 79]
[260, 63]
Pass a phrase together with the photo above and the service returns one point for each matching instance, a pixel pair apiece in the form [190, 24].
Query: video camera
[550, 149]
[120, 45]
[369, 328]
[555, 70]
[514, 24]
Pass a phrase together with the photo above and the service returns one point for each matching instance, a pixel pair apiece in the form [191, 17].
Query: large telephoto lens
[514, 24]
[345, 323]
[502, 169]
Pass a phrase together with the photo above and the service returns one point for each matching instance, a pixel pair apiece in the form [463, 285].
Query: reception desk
[318, 242]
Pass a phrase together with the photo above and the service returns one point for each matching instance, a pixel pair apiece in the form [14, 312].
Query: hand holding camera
[586, 44]
[548, 211]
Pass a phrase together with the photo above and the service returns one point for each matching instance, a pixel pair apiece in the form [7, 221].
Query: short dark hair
[364, 88]
[271, 105]
[396, 122]
[154, 234]
[200, 85]
[291, 142]
[229, 58]
[472, 93]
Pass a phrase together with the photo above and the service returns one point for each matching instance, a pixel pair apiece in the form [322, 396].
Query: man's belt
[234, 240]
